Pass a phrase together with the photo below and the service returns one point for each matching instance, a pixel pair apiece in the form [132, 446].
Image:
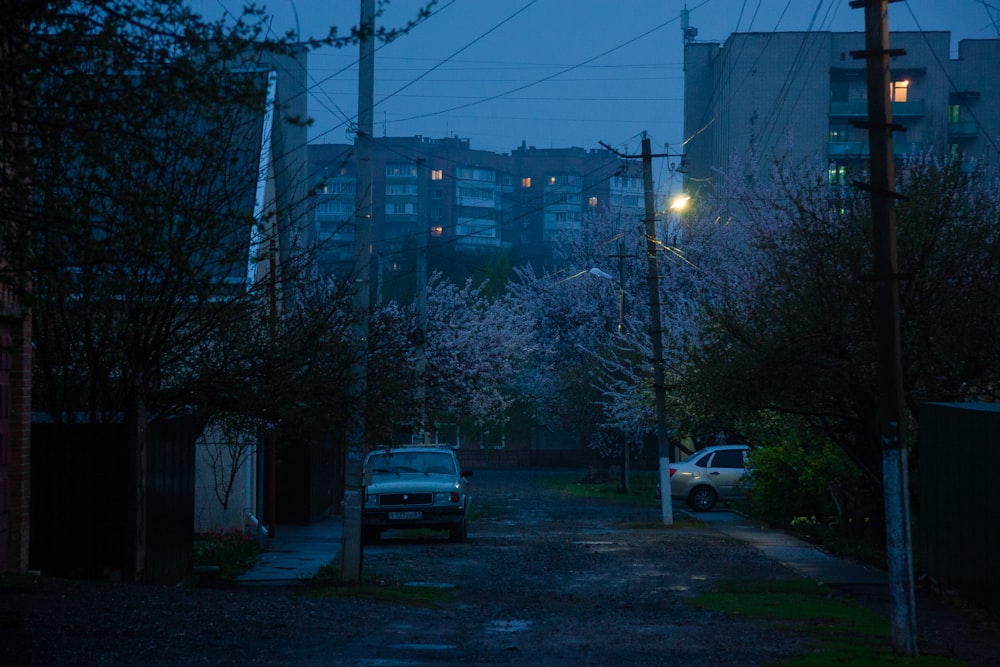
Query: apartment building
[477, 202]
[796, 96]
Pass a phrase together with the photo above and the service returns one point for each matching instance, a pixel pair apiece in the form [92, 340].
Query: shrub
[233, 552]
[816, 491]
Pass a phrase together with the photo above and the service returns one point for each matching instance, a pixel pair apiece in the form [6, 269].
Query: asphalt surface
[296, 553]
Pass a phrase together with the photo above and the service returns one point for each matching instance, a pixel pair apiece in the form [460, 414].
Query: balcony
[858, 150]
[966, 130]
[859, 108]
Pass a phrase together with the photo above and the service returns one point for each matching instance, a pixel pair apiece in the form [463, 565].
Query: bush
[816, 491]
[233, 552]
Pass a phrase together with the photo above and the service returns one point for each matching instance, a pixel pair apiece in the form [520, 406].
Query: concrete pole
[350, 570]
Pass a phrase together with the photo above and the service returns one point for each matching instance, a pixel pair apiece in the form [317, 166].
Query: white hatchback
[709, 475]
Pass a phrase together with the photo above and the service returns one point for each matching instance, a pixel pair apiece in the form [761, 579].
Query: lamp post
[626, 450]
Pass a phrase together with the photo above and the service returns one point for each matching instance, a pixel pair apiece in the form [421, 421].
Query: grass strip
[843, 630]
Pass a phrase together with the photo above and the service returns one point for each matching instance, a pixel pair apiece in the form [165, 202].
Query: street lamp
[621, 294]
[626, 450]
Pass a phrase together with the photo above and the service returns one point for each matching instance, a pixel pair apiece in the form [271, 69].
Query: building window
[401, 188]
[954, 113]
[552, 180]
[400, 170]
[436, 175]
[435, 212]
[526, 182]
[592, 202]
[900, 90]
[838, 131]
[401, 208]
[436, 230]
[839, 90]
[837, 174]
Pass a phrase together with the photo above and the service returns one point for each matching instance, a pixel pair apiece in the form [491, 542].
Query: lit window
[436, 231]
[436, 175]
[526, 182]
[899, 90]
[592, 201]
[552, 180]
[837, 174]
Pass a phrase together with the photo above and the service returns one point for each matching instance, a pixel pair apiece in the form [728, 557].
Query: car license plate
[403, 516]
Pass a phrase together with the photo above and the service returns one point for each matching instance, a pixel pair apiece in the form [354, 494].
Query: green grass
[843, 630]
[642, 485]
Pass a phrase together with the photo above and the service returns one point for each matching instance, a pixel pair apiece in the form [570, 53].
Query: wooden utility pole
[656, 332]
[891, 407]
[655, 322]
[350, 570]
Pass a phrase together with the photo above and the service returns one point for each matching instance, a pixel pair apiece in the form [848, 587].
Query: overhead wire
[549, 77]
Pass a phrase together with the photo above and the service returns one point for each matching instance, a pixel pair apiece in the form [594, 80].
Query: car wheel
[460, 532]
[702, 498]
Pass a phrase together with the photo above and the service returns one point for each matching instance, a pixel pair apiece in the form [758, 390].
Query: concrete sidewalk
[296, 553]
[802, 557]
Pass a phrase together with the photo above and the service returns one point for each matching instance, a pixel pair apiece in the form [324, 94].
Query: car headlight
[446, 497]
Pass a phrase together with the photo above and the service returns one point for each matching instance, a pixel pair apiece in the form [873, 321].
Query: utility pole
[655, 322]
[891, 407]
[420, 298]
[351, 553]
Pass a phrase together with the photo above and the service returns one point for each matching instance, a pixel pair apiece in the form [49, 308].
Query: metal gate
[6, 364]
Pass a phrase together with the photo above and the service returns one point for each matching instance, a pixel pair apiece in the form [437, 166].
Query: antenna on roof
[687, 31]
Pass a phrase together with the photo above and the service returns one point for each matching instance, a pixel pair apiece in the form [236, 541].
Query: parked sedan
[416, 487]
[709, 475]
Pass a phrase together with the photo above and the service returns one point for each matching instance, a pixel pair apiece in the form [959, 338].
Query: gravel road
[544, 579]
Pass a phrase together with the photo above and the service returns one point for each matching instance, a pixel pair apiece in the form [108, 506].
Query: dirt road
[544, 578]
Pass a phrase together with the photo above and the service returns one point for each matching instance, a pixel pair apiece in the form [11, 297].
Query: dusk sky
[555, 73]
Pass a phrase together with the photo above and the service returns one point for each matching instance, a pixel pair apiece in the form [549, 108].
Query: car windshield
[387, 463]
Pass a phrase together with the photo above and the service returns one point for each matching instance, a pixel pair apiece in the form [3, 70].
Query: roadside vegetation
[844, 631]
[226, 554]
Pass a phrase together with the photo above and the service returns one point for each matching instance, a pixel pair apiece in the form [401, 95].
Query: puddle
[507, 626]
[429, 584]
[424, 647]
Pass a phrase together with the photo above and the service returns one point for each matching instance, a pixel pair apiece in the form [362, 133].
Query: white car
[415, 487]
[709, 475]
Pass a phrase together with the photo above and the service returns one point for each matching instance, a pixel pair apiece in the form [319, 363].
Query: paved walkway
[800, 556]
[296, 553]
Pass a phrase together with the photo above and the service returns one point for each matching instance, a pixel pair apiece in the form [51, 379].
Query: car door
[725, 469]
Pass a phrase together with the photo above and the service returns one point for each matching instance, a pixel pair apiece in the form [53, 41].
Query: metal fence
[80, 520]
[959, 513]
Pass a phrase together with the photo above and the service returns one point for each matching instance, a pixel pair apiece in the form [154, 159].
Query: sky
[553, 73]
